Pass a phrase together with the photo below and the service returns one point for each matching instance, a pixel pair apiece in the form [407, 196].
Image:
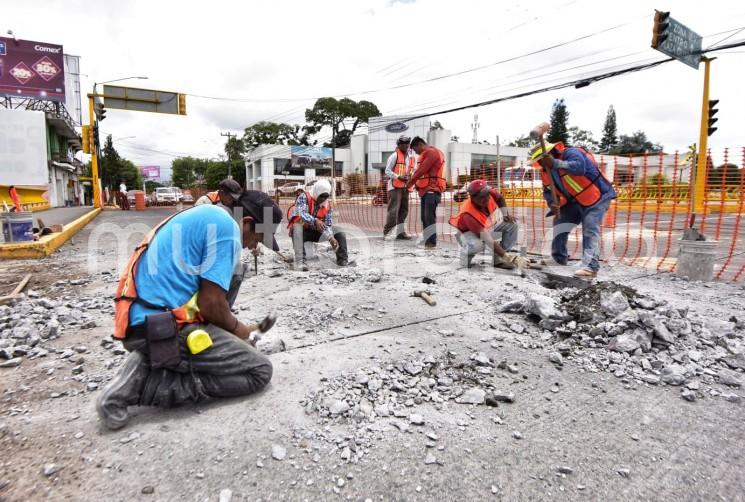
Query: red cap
[477, 186]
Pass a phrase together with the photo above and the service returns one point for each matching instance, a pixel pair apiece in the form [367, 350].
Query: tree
[335, 114]
[636, 143]
[559, 120]
[521, 142]
[184, 171]
[730, 172]
[610, 137]
[274, 133]
[150, 186]
[218, 170]
[115, 169]
[582, 138]
[435, 126]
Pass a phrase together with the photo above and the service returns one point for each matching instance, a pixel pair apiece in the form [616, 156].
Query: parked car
[461, 194]
[290, 188]
[165, 196]
[131, 197]
[188, 197]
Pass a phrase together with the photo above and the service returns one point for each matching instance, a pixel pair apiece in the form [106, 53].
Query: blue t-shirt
[200, 243]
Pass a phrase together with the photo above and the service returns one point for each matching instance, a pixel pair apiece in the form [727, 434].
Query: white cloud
[295, 49]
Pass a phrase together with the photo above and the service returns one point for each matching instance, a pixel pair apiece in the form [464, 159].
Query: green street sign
[143, 100]
[675, 39]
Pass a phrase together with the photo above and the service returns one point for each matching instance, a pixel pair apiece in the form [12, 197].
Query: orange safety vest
[126, 292]
[425, 183]
[468, 207]
[16, 199]
[213, 196]
[583, 190]
[322, 212]
[402, 169]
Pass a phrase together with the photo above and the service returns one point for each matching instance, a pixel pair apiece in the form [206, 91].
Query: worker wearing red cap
[478, 228]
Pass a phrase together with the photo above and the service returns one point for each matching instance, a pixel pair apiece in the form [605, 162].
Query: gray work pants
[471, 244]
[230, 368]
[398, 210]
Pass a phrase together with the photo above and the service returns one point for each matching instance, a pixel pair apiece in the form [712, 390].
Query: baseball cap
[265, 212]
[477, 187]
[231, 186]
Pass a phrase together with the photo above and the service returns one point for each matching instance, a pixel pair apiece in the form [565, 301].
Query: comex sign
[396, 127]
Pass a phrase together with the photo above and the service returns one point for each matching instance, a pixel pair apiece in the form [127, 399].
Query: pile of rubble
[393, 392]
[641, 339]
[26, 326]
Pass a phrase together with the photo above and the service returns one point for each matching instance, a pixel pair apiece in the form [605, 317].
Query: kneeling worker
[477, 227]
[311, 221]
[173, 312]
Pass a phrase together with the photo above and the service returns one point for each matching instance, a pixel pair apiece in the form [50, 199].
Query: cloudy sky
[242, 62]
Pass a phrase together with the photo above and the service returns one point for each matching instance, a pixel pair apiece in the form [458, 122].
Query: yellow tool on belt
[198, 341]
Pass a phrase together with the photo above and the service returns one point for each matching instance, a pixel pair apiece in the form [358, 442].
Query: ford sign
[396, 127]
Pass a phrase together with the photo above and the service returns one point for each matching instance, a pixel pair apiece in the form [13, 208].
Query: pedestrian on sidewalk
[478, 228]
[163, 297]
[584, 196]
[430, 183]
[123, 200]
[312, 221]
[399, 167]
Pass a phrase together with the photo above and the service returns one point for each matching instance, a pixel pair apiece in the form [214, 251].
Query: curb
[49, 243]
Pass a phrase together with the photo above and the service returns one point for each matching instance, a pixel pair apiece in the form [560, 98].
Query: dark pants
[123, 202]
[302, 235]
[398, 210]
[430, 201]
[571, 215]
[230, 368]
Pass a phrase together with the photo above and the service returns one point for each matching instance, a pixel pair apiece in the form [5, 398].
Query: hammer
[259, 329]
[537, 134]
[426, 296]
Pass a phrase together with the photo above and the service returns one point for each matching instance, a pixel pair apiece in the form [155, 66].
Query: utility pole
[333, 164]
[94, 151]
[475, 126]
[230, 165]
[499, 166]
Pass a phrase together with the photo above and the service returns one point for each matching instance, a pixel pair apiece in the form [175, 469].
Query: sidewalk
[73, 219]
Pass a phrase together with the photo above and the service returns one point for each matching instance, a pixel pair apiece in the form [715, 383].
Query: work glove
[516, 259]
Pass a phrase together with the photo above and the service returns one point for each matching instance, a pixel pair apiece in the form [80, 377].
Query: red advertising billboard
[31, 69]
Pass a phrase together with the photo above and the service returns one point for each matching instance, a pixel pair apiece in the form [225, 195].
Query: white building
[270, 166]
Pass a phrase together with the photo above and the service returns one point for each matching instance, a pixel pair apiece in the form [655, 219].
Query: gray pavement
[61, 215]
[620, 440]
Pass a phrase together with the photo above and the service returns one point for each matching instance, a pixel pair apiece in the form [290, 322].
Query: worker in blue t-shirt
[187, 279]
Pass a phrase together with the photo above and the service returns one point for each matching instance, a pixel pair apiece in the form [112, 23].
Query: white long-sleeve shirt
[123, 188]
[392, 163]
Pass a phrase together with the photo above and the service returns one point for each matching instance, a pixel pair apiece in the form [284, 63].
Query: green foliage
[559, 123]
[522, 142]
[150, 186]
[218, 171]
[275, 133]
[610, 131]
[114, 169]
[335, 114]
[582, 138]
[730, 172]
[635, 144]
[657, 179]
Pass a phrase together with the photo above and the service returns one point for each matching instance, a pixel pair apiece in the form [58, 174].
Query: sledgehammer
[426, 296]
[259, 329]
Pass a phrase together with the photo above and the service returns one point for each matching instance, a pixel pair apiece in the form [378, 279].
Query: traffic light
[99, 110]
[182, 104]
[712, 111]
[86, 139]
[661, 24]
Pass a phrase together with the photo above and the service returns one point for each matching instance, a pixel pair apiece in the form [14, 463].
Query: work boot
[429, 245]
[346, 263]
[585, 273]
[124, 390]
[403, 236]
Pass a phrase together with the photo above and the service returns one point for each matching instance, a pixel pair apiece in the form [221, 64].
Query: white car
[165, 195]
[290, 188]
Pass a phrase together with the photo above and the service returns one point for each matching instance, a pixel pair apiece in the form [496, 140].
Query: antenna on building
[475, 127]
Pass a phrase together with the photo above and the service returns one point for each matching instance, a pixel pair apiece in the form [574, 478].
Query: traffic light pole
[94, 154]
[699, 188]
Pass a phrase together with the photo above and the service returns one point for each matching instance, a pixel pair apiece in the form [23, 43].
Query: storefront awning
[64, 165]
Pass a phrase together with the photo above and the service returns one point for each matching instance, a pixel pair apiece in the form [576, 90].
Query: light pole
[95, 150]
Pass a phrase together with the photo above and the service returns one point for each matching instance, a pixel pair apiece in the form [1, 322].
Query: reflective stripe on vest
[468, 207]
[323, 210]
[585, 191]
[402, 169]
[126, 291]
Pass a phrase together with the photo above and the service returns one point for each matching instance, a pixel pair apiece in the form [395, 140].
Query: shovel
[690, 233]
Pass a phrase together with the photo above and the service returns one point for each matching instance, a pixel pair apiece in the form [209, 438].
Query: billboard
[31, 69]
[310, 157]
[151, 173]
[23, 148]
[72, 88]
